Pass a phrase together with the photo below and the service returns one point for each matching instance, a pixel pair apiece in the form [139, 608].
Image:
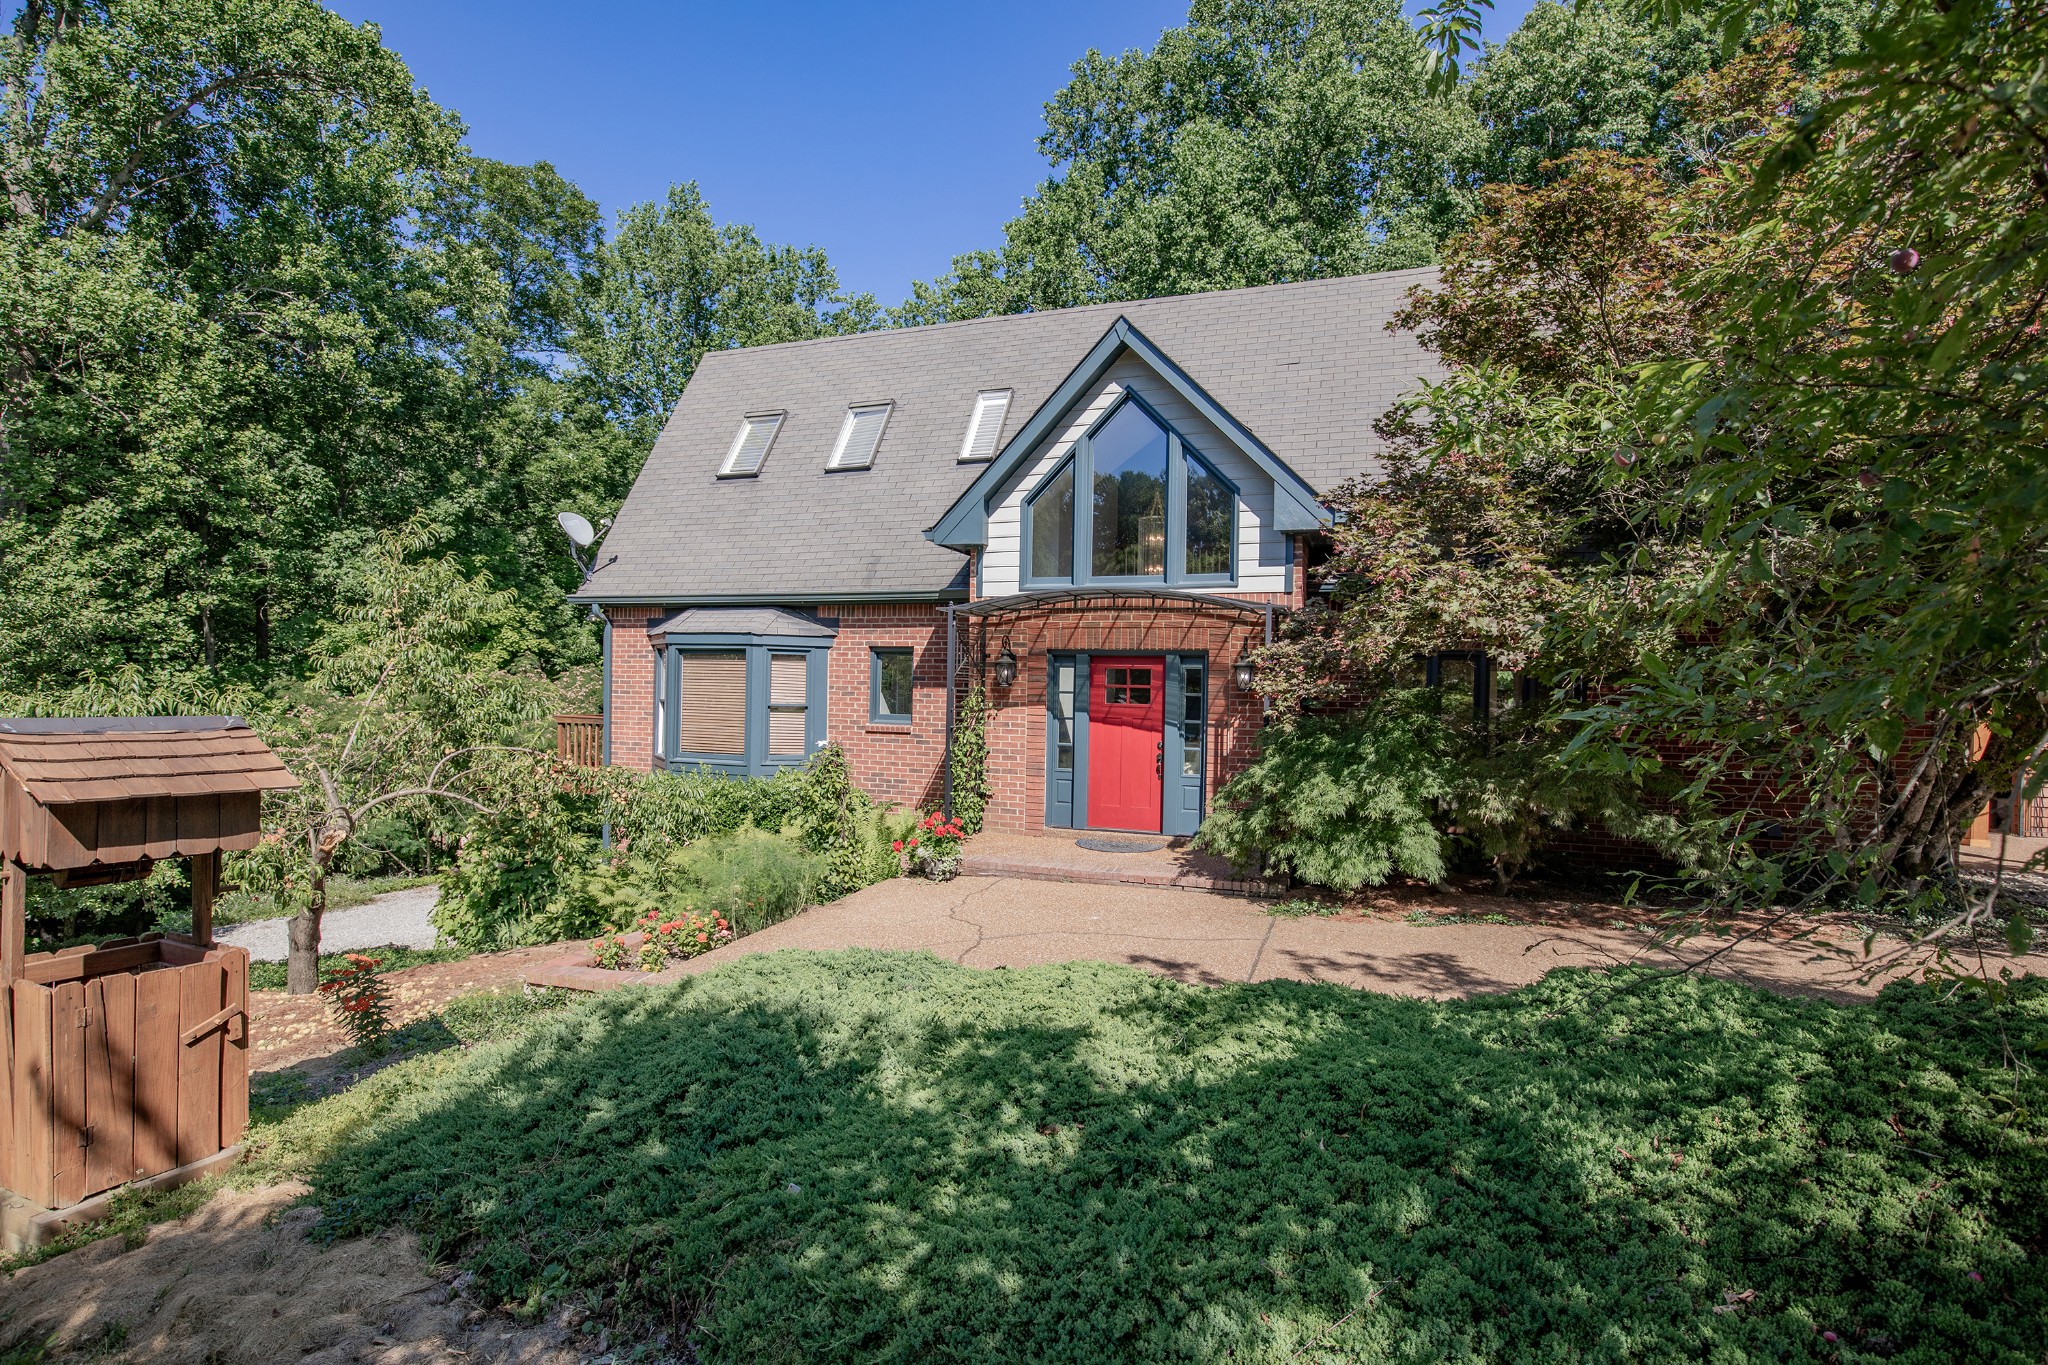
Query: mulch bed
[291, 1029]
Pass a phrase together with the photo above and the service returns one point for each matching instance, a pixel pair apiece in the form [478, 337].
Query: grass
[883, 1157]
[343, 893]
[1300, 907]
[130, 1215]
[391, 957]
[463, 1022]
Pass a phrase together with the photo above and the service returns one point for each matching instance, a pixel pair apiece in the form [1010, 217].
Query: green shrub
[519, 879]
[751, 877]
[816, 804]
[1341, 803]
[871, 1156]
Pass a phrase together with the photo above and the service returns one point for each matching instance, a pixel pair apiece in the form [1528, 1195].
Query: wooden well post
[128, 1059]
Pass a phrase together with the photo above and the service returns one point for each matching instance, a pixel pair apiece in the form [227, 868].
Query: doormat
[1123, 845]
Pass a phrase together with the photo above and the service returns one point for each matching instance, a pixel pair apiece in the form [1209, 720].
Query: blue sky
[893, 133]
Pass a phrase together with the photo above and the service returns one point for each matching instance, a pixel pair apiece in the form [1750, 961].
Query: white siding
[1261, 550]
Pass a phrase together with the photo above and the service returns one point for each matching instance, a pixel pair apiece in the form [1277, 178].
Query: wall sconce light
[1006, 667]
[1241, 671]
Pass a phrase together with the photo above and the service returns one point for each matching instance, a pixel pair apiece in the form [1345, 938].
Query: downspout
[1266, 703]
[604, 707]
[951, 666]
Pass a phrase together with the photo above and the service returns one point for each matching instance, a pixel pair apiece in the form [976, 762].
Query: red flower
[898, 845]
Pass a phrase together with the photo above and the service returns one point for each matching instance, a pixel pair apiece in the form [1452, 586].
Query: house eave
[780, 599]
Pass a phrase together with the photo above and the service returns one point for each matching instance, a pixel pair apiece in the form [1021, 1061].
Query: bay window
[739, 691]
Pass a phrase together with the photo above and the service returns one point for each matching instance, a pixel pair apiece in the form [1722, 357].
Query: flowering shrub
[933, 848]
[357, 994]
[685, 936]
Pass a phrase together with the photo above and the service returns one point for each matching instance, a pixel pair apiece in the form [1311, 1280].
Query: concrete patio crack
[953, 913]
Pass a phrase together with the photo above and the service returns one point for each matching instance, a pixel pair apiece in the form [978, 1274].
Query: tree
[1861, 432]
[671, 284]
[221, 343]
[1266, 140]
[1601, 76]
[425, 700]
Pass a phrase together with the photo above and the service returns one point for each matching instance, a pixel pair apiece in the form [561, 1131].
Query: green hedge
[757, 849]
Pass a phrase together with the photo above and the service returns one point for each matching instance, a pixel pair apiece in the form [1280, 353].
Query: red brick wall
[906, 764]
[896, 763]
[1017, 719]
[632, 692]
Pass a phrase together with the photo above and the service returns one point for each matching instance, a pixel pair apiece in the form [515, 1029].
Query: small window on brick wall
[891, 686]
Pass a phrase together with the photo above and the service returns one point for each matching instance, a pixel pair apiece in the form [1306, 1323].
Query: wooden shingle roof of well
[68, 762]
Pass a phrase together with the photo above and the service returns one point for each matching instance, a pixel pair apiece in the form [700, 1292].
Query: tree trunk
[302, 966]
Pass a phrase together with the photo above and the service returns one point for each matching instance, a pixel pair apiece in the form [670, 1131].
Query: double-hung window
[1132, 504]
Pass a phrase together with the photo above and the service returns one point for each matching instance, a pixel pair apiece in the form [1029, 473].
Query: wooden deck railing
[2033, 821]
[580, 740]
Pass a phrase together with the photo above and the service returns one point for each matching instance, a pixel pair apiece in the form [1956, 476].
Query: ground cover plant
[885, 1157]
[391, 957]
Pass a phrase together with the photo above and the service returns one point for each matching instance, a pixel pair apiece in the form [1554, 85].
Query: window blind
[858, 437]
[985, 426]
[750, 447]
[788, 702]
[711, 713]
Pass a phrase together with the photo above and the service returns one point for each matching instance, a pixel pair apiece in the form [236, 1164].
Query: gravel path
[394, 917]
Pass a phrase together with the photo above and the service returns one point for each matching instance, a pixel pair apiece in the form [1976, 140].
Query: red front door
[1126, 728]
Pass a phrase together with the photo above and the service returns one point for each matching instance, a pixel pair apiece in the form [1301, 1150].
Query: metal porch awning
[1016, 603]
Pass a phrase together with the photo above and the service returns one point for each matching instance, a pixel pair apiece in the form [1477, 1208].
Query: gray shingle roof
[740, 621]
[1306, 367]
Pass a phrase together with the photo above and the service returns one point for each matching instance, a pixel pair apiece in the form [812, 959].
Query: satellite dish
[576, 528]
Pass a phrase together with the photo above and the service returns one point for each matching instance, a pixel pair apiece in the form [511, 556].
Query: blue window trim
[1082, 460]
[755, 761]
[876, 715]
[1073, 462]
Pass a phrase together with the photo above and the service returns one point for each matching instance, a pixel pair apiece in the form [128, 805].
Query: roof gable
[1299, 370]
[965, 524]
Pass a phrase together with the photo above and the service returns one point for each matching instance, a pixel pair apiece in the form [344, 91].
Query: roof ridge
[1060, 312]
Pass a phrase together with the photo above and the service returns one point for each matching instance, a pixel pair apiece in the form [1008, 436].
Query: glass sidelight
[1062, 738]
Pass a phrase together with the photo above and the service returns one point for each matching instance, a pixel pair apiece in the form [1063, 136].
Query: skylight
[750, 446]
[985, 427]
[859, 434]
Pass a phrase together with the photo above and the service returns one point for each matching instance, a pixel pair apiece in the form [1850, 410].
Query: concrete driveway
[1212, 939]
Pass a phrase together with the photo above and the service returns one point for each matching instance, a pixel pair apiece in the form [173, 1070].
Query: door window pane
[1130, 496]
[1052, 527]
[893, 684]
[711, 710]
[788, 689]
[1194, 709]
[1063, 717]
[1212, 520]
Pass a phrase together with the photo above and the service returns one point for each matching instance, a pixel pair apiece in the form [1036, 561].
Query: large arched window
[1149, 509]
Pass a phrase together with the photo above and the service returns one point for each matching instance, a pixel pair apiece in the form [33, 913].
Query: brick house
[1092, 512]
